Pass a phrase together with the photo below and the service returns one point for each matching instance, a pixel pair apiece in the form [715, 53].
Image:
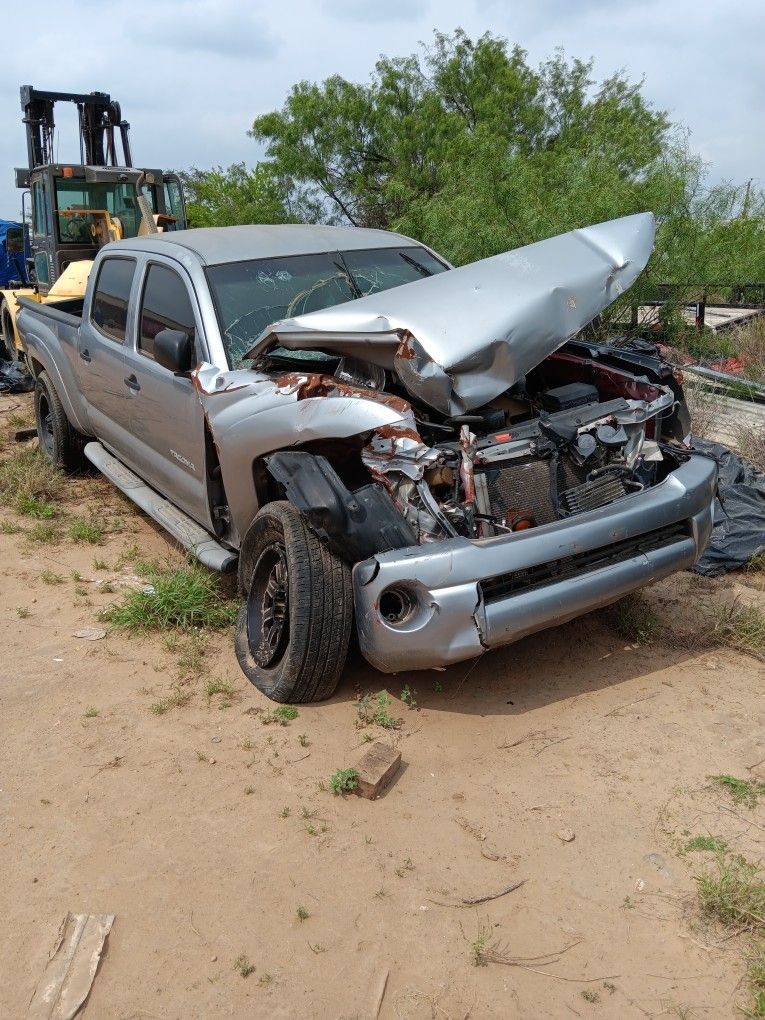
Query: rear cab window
[165, 304]
[109, 313]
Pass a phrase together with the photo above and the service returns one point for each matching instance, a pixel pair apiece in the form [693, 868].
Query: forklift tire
[60, 443]
[8, 350]
[294, 625]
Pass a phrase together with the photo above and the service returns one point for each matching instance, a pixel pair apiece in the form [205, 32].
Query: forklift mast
[98, 115]
[78, 207]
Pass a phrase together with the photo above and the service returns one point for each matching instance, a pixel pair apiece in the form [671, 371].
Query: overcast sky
[191, 76]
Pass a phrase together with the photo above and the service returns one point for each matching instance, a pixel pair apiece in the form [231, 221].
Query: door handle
[85, 355]
[132, 383]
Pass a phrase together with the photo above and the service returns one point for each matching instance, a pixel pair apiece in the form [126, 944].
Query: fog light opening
[396, 605]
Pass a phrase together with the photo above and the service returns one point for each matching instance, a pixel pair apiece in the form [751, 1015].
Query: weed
[33, 506]
[407, 696]
[756, 981]
[100, 564]
[406, 866]
[318, 948]
[49, 577]
[249, 790]
[76, 576]
[265, 980]
[282, 715]
[200, 756]
[367, 738]
[609, 987]
[247, 745]
[364, 711]
[438, 686]
[740, 627]
[303, 740]
[177, 699]
[86, 531]
[590, 995]
[635, 621]
[191, 655]
[709, 844]
[186, 597]
[479, 945]
[45, 802]
[243, 965]
[307, 812]
[28, 474]
[302, 914]
[743, 791]
[382, 893]
[311, 830]
[285, 812]
[733, 893]
[343, 781]
[10, 528]
[107, 588]
[223, 687]
[22, 612]
[44, 534]
[91, 712]
[627, 904]
[382, 716]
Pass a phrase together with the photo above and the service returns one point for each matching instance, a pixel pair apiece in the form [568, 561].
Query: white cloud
[192, 74]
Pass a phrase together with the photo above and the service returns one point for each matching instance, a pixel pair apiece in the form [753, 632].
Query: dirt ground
[204, 830]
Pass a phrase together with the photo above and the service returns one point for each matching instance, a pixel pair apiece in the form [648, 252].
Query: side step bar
[182, 528]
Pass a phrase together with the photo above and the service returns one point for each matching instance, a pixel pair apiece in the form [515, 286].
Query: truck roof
[215, 245]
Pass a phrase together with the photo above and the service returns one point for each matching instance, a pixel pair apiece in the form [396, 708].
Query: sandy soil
[203, 830]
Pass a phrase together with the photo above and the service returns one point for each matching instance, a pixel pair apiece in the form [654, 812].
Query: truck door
[101, 363]
[166, 416]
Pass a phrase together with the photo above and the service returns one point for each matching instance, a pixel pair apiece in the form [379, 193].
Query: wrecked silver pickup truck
[373, 435]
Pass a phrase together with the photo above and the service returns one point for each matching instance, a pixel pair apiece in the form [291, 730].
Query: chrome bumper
[468, 596]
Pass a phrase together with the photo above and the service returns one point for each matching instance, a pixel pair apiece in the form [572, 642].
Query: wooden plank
[71, 968]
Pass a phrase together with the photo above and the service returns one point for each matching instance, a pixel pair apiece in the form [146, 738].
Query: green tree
[221, 198]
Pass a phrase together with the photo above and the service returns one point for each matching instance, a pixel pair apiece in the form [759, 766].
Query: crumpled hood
[459, 339]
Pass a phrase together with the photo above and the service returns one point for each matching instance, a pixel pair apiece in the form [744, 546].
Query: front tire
[59, 442]
[294, 625]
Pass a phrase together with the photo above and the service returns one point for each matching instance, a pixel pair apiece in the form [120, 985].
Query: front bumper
[469, 596]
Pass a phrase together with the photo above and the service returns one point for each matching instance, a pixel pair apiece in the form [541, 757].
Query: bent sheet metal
[459, 339]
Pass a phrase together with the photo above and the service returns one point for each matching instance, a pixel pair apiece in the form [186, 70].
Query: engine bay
[587, 427]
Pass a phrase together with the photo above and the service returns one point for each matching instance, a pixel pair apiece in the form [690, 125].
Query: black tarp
[14, 378]
[739, 529]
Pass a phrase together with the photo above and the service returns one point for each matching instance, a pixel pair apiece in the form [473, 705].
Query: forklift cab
[77, 209]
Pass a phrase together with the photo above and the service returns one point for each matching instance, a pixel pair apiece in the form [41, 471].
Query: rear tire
[294, 625]
[59, 442]
[8, 349]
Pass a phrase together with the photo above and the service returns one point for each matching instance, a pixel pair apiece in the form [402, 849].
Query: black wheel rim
[268, 622]
[45, 425]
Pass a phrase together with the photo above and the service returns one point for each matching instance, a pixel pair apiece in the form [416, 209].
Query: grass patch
[176, 699]
[707, 844]
[81, 530]
[10, 528]
[44, 533]
[91, 712]
[27, 474]
[635, 621]
[33, 506]
[190, 655]
[282, 716]
[740, 627]
[184, 598]
[756, 981]
[49, 577]
[743, 791]
[344, 781]
[222, 687]
[733, 893]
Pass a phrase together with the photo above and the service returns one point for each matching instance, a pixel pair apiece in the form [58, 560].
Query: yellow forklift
[75, 208]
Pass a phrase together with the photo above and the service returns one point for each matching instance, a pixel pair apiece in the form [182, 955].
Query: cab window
[110, 300]
[165, 305]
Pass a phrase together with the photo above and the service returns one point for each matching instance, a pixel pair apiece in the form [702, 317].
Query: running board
[175, 521]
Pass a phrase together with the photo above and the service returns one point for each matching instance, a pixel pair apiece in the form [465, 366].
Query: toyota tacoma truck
[436, 456]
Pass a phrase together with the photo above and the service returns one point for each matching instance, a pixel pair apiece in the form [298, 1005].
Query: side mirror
[173, 350]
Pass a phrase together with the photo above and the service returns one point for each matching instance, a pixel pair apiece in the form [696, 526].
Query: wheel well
[344, 455]
[35, 366]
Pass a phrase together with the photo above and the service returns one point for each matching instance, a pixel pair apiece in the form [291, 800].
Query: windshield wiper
[418, 266]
